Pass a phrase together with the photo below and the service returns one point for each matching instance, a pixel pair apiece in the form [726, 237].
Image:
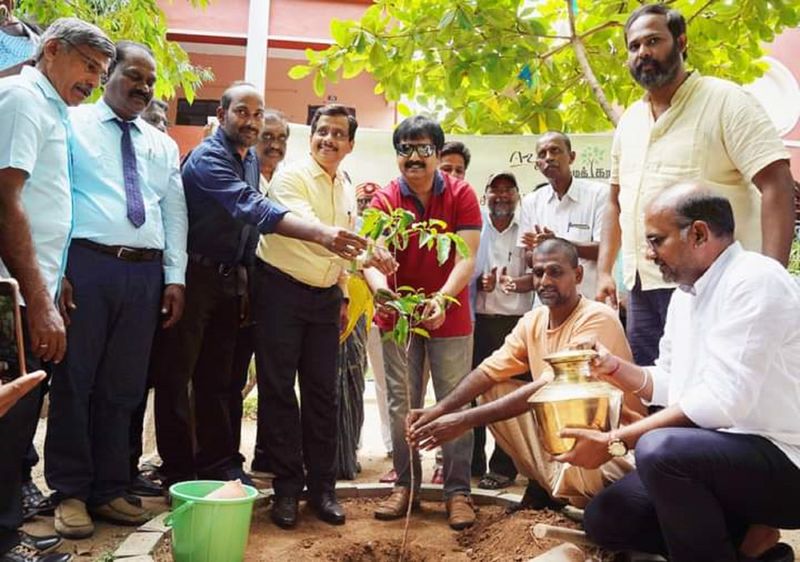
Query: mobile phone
[12, 354]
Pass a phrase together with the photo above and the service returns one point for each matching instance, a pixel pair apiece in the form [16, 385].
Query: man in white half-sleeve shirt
[569, 207]
[718, 469]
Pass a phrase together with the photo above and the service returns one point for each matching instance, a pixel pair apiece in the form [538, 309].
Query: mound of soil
[495, 537]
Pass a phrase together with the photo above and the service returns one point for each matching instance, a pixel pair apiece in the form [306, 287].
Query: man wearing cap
[496, 311]
[568, 207]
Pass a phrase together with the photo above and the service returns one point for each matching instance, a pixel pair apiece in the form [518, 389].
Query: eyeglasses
[335, 134]
[655, 241]
[92, 65]
[270, 138]
[406, 149]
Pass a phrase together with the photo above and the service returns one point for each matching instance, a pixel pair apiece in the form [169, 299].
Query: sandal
[494, 481]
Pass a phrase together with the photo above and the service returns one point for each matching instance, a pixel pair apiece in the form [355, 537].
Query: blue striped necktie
[133, 194]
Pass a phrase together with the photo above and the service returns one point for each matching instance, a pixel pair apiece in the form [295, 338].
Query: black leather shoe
[284, 511]
[42, 544]
[141, 486]
[328, 509]
[25, 553]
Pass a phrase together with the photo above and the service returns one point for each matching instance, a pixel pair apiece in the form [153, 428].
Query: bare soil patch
[495, 537]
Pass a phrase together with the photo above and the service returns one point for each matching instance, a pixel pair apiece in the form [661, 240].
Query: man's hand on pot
[590, 450]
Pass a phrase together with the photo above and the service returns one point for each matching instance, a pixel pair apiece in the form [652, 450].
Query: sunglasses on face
[405, 150]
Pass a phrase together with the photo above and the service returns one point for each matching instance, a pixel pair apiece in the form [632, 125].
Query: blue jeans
[449, 360]
[693, 495]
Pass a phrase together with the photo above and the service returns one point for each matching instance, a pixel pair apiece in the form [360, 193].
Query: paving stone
[506, 499]
[345, 490]
[147, 558]
[486, 497]
[431, 493]
[562, 553]
[156, 524]
[138, 544]
[373, 490]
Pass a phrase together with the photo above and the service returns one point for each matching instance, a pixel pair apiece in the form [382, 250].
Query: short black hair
[417, 127]
[123, 49]
[336, 110]
[559, 135]
[227, 95]
[712, 209]
[457, 147]
[676, 23]
[558, 246]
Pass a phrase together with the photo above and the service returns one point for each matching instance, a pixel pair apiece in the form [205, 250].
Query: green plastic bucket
[208, 530]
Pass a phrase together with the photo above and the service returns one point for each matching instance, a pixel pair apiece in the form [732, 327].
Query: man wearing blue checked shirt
[125, 270]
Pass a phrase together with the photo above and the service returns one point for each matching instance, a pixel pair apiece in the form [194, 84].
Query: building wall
[786, 48]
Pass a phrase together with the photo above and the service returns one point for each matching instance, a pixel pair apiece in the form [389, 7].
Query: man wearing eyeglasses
[36, 217]
[271, 149]
[227, 212]
[126, 263]
[423, 190]
[299, 307]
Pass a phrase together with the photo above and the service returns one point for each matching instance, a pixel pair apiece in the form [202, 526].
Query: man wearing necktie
[125, 270]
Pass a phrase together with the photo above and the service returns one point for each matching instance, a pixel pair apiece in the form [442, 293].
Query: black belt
[261, 264]
[223, 269]
[121, 252]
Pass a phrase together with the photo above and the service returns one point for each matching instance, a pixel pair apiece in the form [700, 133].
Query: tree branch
[700, 11]
[588, 73]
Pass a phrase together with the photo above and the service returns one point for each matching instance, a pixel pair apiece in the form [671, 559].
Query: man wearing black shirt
[226, 214]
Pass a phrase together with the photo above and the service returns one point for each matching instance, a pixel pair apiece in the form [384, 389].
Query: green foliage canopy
[136, 20]
[524, 66]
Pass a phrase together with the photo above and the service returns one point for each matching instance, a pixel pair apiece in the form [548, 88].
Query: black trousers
[199, 348]
[97, 387]
[693, 495]
[297, 337]
[490, 333]
[647, 314]
[242, 355]
[17, 428]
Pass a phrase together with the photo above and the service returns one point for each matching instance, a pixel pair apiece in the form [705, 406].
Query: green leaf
[299, 71]
[319, 84]
[443, 244]
[424, 238]
[340, 31]
[401, 330]
[461, 247]
[377, 55]
[421, 332]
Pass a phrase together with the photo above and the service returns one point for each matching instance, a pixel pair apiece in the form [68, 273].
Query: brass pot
[573, 400]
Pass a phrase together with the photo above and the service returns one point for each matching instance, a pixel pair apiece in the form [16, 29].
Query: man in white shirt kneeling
[717, 469]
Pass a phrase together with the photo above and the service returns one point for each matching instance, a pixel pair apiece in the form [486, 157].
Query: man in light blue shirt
[36, 217]
[126, 265]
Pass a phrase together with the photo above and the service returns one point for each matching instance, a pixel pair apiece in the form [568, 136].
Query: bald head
[690, 202]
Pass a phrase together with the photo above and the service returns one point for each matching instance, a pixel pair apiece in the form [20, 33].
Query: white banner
[373, 157]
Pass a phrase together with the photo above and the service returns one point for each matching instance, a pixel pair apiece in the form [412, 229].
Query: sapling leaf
[424, 237]
[401, 327]
[461, 247]
[437, 222]
[443, 244]
[421, 332]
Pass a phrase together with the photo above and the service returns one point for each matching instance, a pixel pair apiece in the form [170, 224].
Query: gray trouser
[449, 360]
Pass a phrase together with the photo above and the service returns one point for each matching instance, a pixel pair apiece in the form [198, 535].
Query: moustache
[249, 130]
[143, 95]
[654, 64]
[414, 164]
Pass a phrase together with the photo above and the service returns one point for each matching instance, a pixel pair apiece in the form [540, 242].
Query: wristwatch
[617, 447]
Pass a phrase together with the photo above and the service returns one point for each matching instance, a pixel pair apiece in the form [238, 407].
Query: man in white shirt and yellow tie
[718, 469]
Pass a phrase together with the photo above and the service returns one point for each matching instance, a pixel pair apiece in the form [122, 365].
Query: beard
[661, 74]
